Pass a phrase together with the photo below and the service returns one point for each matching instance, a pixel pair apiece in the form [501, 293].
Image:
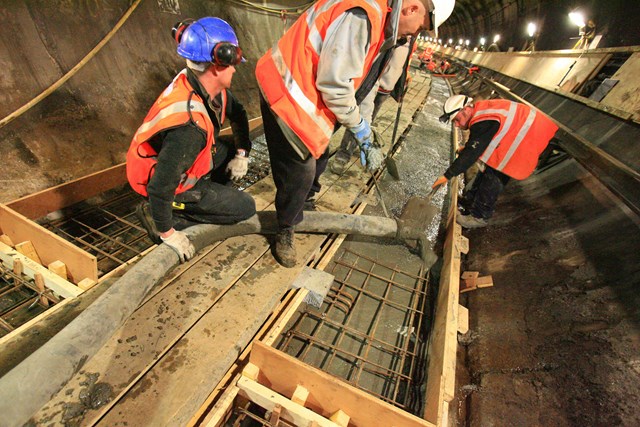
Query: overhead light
[482, 41]
[467, 42]
[460, 41]
[496, 38]
[531, 29]
[450, 41]
[577, 18]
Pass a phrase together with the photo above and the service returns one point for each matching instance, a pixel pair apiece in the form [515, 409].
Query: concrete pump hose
[30, 385]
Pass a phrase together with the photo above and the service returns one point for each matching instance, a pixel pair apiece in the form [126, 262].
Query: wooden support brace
[251, 371]
[484, 281]
[86, 284]
[463, 244]
[463, 319]
[58, 267]
[275, 415]
[268, 399]
[341, 418]
[26, 248]
[30, 267]
[41, 288]
[300, 395]
[6, 240]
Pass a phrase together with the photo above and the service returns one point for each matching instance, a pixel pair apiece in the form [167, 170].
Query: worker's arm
[341, 60]
[481, 135]
[238, 117]
[394, 68]
[180, 147]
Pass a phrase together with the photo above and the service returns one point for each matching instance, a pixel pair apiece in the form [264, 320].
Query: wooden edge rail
[443, 342]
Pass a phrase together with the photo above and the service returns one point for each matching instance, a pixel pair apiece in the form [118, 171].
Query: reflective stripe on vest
[521, 138]
[175, 107]
[286, 74]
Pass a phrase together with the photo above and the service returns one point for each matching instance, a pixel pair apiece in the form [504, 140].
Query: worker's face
[414, 17]
[225, 75]
[463, 118]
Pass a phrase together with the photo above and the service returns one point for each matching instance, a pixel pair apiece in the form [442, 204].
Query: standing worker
[177, 159]
[312, 81]
[507, 137]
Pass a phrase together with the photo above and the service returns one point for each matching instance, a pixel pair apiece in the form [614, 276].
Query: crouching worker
[507, 137]
[177, 160]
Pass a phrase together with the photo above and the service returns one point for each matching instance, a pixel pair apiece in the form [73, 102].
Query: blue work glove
[370, 154]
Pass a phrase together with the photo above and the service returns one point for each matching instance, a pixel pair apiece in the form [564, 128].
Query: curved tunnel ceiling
[472, 19]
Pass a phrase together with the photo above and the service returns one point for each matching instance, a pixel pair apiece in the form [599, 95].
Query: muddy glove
[442, 180]
[370, 155]
[237, 167]
[180, 243]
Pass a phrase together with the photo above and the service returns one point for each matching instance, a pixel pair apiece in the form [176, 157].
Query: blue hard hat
[198, 40]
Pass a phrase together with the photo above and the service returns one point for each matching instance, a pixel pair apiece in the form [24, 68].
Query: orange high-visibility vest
[287, 73]
[523, 134]
[178, 105]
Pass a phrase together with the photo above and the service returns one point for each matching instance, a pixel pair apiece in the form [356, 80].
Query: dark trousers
[480, 200]
[213, 200]
[296, 180]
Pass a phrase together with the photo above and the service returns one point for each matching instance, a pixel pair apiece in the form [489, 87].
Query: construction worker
[507, 137]
[312, 81]
[176, 158]
[395, 72]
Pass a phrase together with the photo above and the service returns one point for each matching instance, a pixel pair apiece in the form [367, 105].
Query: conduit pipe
[31, 384]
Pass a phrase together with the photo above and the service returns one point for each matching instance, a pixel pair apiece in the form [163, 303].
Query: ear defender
[179, 27]
[226, 54]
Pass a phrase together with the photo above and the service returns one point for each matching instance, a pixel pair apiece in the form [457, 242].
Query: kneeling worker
[177, 159]
[508, 137]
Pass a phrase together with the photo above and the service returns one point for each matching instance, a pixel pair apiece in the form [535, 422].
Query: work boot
[339, 164]
[284, 252]
[310, 204]
[143, 212]
[470, 221]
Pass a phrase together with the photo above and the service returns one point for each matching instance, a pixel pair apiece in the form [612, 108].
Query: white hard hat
[453, 105]
[442, 12]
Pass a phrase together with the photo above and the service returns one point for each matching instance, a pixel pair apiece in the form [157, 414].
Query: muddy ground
[555, 341]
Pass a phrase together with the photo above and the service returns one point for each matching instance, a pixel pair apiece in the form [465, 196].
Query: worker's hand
[371, 157]
[237, 167]
[362, 133]
[180, 243]
[439, 182]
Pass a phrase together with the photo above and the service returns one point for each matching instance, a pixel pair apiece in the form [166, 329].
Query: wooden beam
[26, 248]
[58, 267]
[327, 394]
[30, 268]
[39, 204]
[49, 246]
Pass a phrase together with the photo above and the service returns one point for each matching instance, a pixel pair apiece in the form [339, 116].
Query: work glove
[442, 180]
[180, 243]
[237, 167]
[370, 154]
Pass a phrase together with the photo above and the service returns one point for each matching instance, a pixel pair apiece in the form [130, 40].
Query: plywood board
[49, 246]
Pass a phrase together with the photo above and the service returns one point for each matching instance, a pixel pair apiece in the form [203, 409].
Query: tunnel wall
[87, 124]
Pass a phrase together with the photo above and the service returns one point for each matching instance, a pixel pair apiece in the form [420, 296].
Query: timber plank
[161, 321]
[203, 356]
